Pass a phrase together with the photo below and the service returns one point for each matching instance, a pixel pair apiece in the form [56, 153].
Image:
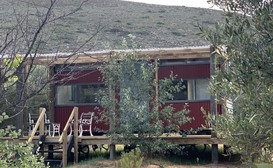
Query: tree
[24, 33]
[132, 104]
[31, 26]
[244, 83]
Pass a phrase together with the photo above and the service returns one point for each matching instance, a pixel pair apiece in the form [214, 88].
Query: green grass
[263, 165]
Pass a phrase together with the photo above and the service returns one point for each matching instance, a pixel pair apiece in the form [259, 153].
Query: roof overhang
[102, 56]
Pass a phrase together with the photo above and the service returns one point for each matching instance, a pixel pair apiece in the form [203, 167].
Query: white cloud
[188, 3]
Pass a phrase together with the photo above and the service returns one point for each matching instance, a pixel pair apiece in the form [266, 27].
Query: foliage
[132, 159]
[244, 83]
[14, 154]
[131, 104]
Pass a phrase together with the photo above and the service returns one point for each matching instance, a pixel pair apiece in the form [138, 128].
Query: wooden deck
[170, 139]
[91, 140]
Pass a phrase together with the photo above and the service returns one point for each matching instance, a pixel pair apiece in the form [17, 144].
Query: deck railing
[63, 137]
[39, 124]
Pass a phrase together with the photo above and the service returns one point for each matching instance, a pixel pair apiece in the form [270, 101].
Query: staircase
[52, 149]
[56, 150]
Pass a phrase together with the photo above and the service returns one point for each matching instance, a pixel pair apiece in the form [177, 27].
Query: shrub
[132, 159]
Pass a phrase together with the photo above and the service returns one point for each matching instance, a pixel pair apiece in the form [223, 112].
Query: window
[196, 89]
[202, 89]
[167, 62]
[78, 94]
[183, 94]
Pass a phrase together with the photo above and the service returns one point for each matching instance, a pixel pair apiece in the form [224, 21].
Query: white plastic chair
[32, 119]
[56, 128]
[86, 120]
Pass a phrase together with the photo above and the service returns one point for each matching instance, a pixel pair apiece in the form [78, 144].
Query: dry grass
[99, 160]
[153, 25]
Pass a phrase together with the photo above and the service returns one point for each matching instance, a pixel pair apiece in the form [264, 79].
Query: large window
[193, 89]
[77, 94]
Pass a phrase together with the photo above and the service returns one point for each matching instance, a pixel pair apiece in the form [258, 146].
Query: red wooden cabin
[77, 88]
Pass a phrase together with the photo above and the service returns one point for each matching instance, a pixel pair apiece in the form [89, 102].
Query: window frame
[191, 91]
[74, 95]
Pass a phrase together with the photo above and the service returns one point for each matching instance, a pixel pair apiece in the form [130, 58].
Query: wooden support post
[65, 149]
[213, 103]
[112, 127]
[42, 124]
[51, 95]
[76, 127]
[112, 151]
[214, 150]
[156, 89]
[213, 107]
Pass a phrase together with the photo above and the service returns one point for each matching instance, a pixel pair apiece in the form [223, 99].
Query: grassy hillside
[153, 25]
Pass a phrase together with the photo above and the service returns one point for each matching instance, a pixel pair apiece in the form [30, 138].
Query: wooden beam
[102, 56]
[190, 139]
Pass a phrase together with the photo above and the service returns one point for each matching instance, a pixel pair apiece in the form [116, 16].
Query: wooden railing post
[38, 123]
[42, 124]
[64, 148]
[63, 137]
[76, 126]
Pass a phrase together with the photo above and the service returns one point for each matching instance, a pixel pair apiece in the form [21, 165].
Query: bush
[132, 159]
[14, 154]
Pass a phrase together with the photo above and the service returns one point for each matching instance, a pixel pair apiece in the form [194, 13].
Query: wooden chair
[86, 120]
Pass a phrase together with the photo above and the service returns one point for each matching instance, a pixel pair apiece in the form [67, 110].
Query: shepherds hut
[76, 73]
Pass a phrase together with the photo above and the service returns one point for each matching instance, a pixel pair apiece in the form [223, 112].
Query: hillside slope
[154, 26]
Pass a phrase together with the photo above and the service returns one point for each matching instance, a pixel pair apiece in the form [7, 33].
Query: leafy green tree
[131, 104]
[244, 83]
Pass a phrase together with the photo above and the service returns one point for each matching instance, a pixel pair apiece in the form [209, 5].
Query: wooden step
[50, 151]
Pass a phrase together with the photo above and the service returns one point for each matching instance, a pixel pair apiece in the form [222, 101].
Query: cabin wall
[196, 115]
[86, 76]
[185, 71]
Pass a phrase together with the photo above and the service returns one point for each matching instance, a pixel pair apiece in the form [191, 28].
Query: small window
[202, 89]
[78, 94]
[193, 89]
